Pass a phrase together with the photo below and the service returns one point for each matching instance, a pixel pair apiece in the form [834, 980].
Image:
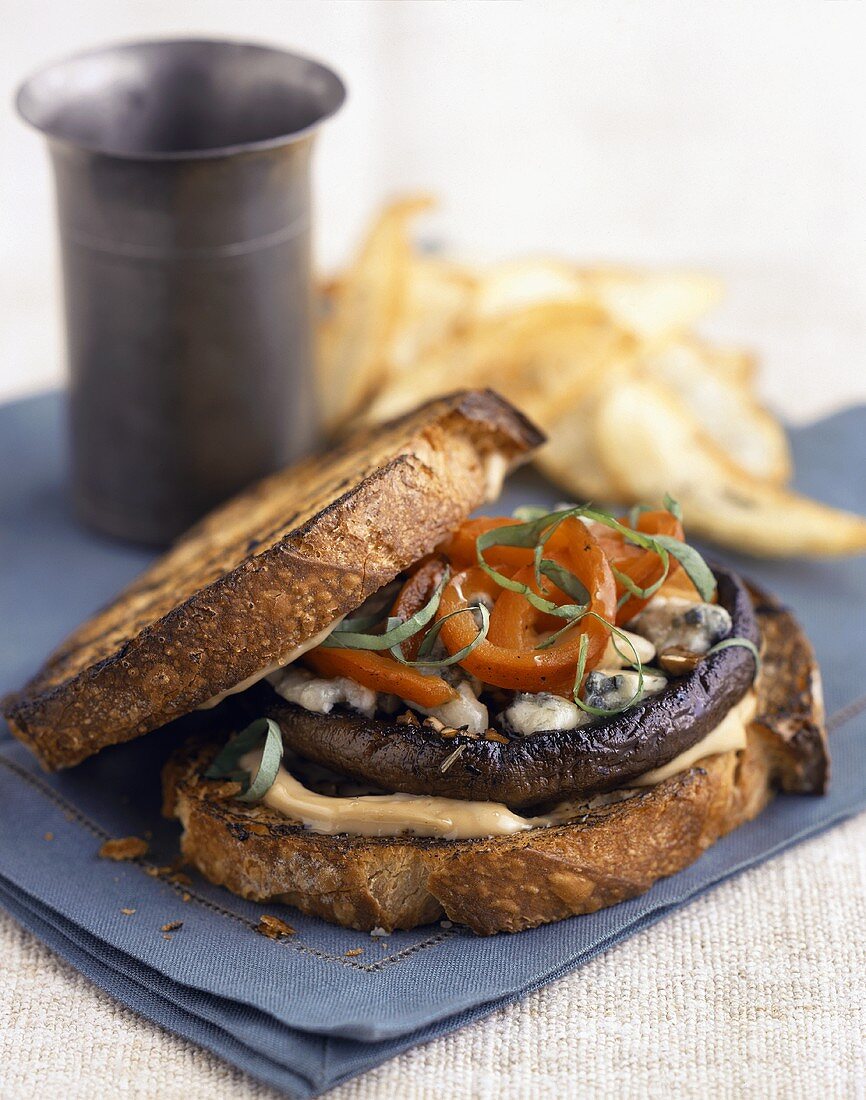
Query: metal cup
[183, 195]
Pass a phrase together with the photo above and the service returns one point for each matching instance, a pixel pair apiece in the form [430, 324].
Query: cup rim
[262, 144]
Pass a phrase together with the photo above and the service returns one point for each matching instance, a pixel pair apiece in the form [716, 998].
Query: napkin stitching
[74, 814]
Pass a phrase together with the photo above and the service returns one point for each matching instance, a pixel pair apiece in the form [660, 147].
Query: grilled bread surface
[266, 572]
[508, 883]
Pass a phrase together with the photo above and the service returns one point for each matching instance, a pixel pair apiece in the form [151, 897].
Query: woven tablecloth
[756, 989]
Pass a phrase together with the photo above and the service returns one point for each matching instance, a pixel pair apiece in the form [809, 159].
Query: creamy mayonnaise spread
[728, 736]
[389, 814]
[495, 469]
[463, 819]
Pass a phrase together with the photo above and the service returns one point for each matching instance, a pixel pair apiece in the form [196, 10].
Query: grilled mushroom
[549, 765]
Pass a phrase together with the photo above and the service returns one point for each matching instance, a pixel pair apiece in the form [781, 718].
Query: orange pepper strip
[641, 566]
[461, 551]
[515, 622]
[380, 672]
[508, 659]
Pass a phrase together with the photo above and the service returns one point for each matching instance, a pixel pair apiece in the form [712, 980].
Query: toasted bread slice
[267, 572]
[508, 883]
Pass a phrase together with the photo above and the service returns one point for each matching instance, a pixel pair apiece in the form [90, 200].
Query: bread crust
[513, 882]
[264, 573]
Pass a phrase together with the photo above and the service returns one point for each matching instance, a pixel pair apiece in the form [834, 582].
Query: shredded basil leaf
[535, 532]
[226, 764]
[581, 666]
[566, 580]
[373, 610]
[527, 536]
[272, 755]
[538, 552]
[745, 643]
[605, 712]
[697, 570]
[673, 506]
[557, 634]
[634, 660]
[423, 660]
[635, 589]
[635, 512]
[396, 630]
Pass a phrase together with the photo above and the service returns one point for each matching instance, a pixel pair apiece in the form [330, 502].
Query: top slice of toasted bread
[266, 572]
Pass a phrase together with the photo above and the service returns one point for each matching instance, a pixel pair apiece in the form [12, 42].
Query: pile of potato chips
[603, 359]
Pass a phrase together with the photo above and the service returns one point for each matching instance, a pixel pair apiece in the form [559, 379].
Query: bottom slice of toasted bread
[610, 853]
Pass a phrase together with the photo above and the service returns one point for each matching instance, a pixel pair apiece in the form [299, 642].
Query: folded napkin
[310, 1011]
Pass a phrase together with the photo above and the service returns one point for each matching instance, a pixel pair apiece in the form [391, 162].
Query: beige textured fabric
[756, 990]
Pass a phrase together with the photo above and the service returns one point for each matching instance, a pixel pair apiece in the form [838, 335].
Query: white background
[727, 136]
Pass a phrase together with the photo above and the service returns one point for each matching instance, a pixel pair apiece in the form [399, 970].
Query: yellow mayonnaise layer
[463, 819]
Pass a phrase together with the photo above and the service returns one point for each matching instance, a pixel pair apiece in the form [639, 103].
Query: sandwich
[404, 712]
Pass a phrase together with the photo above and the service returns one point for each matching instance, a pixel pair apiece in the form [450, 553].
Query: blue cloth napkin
[307, 1013]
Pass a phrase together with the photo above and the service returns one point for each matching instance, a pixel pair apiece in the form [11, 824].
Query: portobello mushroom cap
[545, 767]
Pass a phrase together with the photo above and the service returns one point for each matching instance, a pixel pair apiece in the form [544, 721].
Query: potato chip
[542, 358]
[438, 303]
[650, 443]
[733, 364]
[602, 358]
[570, 457]
[519, 284]
[653, 306]
[363, 309]
[726, 411]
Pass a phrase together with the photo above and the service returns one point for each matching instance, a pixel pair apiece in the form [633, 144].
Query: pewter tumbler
[183, 195]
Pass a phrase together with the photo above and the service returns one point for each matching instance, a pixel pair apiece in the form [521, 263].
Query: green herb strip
[527, 536]
[673, 506]
[424, 660]
[566, 580]
[604, 712]
[227, 763]
[381, 601]
[581, 668]
[744, 643]
[635, 512]
[696, 569]
[396, 631]
[670, 505]
[633, 589]
[562, 577]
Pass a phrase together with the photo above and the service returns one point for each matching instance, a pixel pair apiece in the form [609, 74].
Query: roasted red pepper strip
[461, 548]
[643, 567]
[380, 672]
[507, 657]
